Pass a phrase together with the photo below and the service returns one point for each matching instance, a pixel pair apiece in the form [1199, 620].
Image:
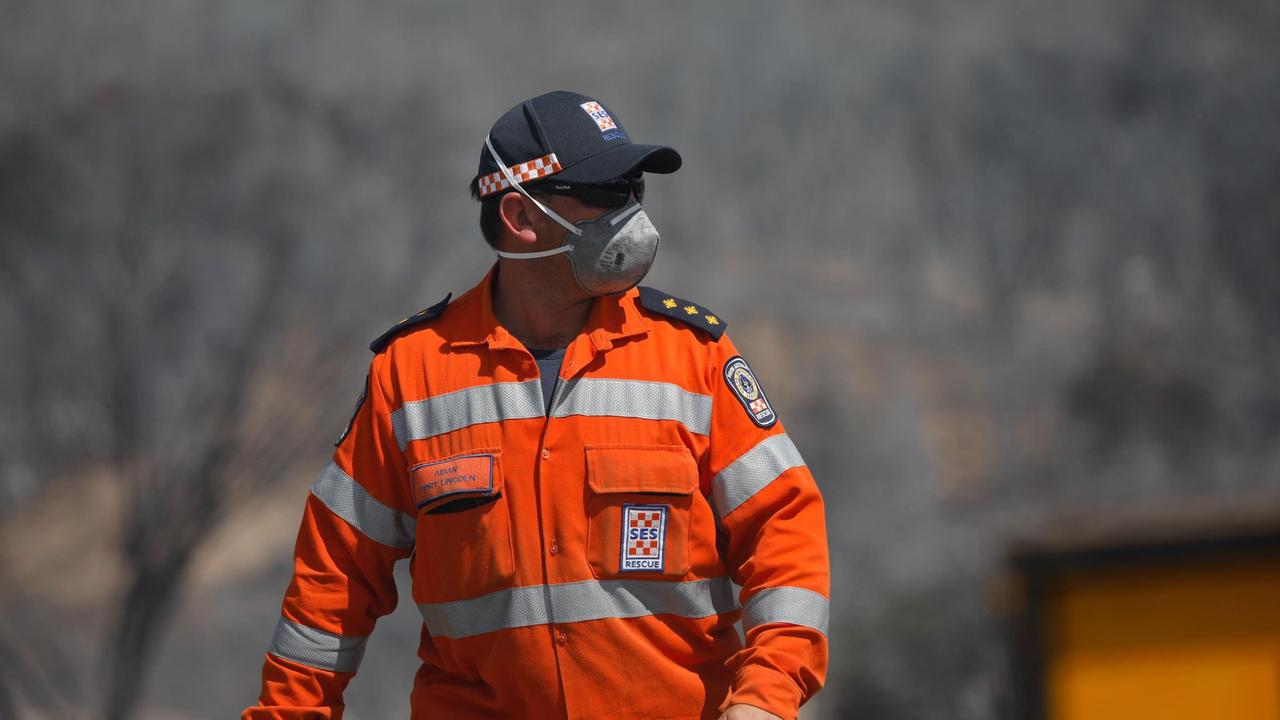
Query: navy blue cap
[587, 139]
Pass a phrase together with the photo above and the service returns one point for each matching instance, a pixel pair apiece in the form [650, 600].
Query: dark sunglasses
[609, 194]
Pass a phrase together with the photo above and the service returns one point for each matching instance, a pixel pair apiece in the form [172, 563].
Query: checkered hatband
[524, 172]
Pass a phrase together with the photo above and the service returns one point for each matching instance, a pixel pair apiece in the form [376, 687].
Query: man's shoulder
[422, 316]
[678, 309]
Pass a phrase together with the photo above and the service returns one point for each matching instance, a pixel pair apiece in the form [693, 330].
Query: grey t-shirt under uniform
[549, 361]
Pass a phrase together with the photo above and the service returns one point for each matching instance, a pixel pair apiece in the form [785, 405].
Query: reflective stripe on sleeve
[751, 472]
[635, 399]
[791, 605]
[316, 648]
[351, 502]
[578, 602]
[422, 419]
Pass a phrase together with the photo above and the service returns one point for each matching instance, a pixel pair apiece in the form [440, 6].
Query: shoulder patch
[421, 316]
[359, 402]
[682, 310]
[742, 382]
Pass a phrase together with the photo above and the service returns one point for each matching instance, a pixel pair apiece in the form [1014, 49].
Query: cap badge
[600, 115]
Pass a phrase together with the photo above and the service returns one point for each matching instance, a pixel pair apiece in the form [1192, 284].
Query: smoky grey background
[1005, 268]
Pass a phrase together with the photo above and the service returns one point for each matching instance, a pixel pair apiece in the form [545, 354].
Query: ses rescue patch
[644, 538]
[745, 387]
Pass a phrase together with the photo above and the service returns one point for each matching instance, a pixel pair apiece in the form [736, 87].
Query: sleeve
[773, 524]
[357, 522]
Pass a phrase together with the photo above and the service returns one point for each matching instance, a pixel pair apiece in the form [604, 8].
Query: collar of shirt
[613, 318]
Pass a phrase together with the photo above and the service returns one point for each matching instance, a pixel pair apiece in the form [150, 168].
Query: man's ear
[517, 217]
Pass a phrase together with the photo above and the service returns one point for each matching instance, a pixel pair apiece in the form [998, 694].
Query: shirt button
[555, 548]
[546, 453]
[562, 639]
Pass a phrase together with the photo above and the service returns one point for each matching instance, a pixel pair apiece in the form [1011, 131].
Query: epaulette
[420, 317]
[682, 310]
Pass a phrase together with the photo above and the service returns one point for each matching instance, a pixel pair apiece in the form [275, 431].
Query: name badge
[464, 474]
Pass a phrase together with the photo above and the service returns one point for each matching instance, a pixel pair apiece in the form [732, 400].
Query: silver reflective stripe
[578, 602]
[751, 472]
[634, 399]
[316, 648]
[791, 605]
[437, 415]
[351, 502]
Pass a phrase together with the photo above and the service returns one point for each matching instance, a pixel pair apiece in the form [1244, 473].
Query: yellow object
[1192, 640]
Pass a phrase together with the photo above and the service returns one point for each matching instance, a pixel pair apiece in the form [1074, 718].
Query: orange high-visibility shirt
[578, 562]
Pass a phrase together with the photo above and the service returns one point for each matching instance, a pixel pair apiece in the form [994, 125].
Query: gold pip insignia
[677, 308]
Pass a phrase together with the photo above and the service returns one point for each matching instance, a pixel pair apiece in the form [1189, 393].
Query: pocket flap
[667, 469]
[473, 474]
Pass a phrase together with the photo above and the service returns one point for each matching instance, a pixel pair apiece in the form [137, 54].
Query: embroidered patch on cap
[600, 115]
[743, 383]
[454, 476]
[644, 537]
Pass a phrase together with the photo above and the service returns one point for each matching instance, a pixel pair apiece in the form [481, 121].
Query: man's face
[558, 270]
[576, 205]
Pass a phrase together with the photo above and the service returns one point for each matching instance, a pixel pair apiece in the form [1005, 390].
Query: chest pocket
[463, 546]
[639, 508]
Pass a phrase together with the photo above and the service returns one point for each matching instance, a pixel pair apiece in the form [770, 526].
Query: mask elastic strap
[550, 213]
[535, 254]
[626, 212]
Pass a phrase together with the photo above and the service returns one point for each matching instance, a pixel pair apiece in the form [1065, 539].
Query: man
[580, 470]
